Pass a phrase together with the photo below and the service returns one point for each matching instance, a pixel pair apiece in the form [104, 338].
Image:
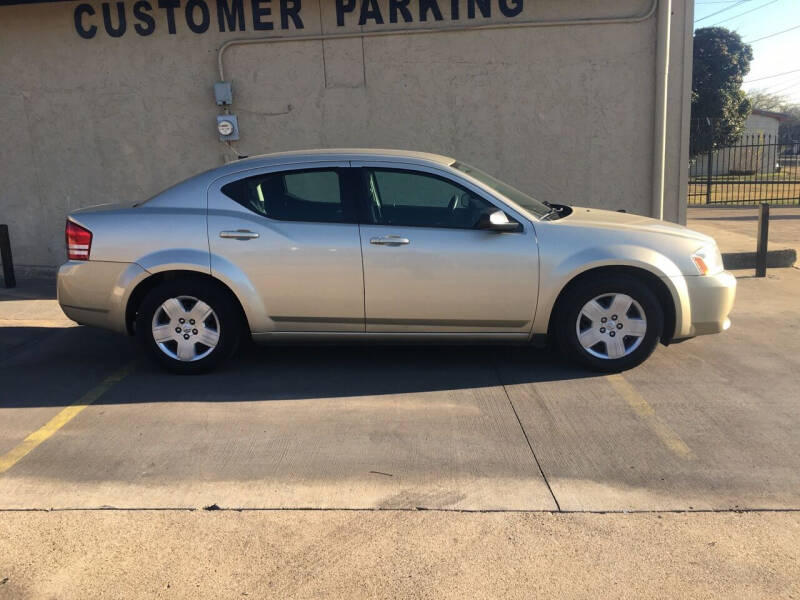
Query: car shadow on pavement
[57, 366]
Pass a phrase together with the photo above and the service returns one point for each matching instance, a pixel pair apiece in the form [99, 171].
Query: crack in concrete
[527, 439]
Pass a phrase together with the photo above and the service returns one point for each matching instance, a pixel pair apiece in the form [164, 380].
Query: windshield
[530, 204]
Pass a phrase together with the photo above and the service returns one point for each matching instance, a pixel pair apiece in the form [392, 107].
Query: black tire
[226, 320]
[571, 305]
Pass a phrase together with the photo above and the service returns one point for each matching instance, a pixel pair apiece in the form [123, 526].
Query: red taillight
[79, 241]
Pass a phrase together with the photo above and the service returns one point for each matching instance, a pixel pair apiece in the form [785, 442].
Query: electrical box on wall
[228, 128]
[223, 94]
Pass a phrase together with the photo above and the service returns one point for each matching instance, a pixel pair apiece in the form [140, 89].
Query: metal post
[5, 254]
[763, 236]
[709, 158]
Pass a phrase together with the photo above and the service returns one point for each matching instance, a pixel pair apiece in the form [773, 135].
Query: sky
[771, 56]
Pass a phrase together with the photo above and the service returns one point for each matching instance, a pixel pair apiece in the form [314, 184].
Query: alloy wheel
[611, 326]
[185, 328]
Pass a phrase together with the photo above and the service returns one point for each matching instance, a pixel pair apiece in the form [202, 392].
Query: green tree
[719, 106]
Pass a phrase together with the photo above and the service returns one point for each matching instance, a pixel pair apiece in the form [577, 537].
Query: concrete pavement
[347, 554]
[710, 423]
[736, 232]
[410, 437]
[784, 228]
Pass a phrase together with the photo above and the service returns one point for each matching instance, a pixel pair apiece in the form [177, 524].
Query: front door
[289, 236]
[427, 268]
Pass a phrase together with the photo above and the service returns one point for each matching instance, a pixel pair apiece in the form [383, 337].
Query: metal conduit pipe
[662, 66]
[660, 117]
[431, 30]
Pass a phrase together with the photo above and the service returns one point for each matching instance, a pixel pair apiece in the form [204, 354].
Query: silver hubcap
[185, 328]
[611, 326]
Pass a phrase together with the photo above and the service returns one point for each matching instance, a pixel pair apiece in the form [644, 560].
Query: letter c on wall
[80, 10]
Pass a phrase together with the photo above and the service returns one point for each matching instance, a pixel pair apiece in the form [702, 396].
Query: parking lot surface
[706, 425]
[736, 228]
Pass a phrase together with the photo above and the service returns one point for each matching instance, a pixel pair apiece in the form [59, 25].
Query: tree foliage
[719, 106]
[772, 102]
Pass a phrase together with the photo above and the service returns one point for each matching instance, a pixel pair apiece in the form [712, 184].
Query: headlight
[708, 260]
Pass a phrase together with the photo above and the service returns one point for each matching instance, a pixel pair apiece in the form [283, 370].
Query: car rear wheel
[609, 324]
[188, 326]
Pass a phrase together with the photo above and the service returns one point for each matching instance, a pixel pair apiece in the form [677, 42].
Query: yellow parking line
[12, 457]
[645, 412]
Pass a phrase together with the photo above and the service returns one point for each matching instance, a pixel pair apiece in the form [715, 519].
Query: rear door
[290, 236]
[427, 268]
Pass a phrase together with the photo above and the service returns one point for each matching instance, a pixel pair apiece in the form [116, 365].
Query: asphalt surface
[707, 425]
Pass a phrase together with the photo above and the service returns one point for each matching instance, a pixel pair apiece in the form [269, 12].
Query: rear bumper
[710, 301]
[97, 292]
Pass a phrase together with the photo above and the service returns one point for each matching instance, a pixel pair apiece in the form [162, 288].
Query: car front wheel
[188, 326]
[609, 324]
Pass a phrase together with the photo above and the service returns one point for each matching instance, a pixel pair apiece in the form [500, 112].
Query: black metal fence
[757, 169]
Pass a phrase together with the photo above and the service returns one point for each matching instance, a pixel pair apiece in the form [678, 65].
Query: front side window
[539, 209]
[314, 195]
[414, 199]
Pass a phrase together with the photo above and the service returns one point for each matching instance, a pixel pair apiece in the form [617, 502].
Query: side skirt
[360, 337]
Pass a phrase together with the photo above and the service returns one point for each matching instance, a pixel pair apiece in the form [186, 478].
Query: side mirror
[497, 220]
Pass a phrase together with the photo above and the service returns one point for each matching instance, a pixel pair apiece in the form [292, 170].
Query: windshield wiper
[554, 210]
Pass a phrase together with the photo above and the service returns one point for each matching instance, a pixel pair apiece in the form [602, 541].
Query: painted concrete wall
[566, 113]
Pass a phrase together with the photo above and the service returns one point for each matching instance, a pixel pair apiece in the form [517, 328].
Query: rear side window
[314, 195]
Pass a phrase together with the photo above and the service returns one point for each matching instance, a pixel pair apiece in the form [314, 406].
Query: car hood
[608, 219]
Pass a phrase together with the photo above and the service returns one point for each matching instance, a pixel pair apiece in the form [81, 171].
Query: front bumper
[710, 299]
[93, 292]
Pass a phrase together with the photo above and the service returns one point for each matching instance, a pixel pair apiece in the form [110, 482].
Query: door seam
[363, 278]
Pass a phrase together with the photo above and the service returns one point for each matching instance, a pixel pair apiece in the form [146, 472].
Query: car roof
[177, 194]
[333, 154]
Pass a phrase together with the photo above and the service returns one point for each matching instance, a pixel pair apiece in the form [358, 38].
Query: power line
[770, 76]
[722, 10]
[772, 34]
[788, 97]
[769, 89]
[746, 12]
[791, 84]
[788, 87]
[781, 85]
[770, 85]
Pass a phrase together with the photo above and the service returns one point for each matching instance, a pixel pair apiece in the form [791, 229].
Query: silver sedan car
[384, 246]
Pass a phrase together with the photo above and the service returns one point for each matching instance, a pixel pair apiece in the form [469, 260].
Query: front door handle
[239, 234]
[389, 240]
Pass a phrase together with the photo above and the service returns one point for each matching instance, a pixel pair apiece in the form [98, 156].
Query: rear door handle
[239, 234]
[389, 240]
